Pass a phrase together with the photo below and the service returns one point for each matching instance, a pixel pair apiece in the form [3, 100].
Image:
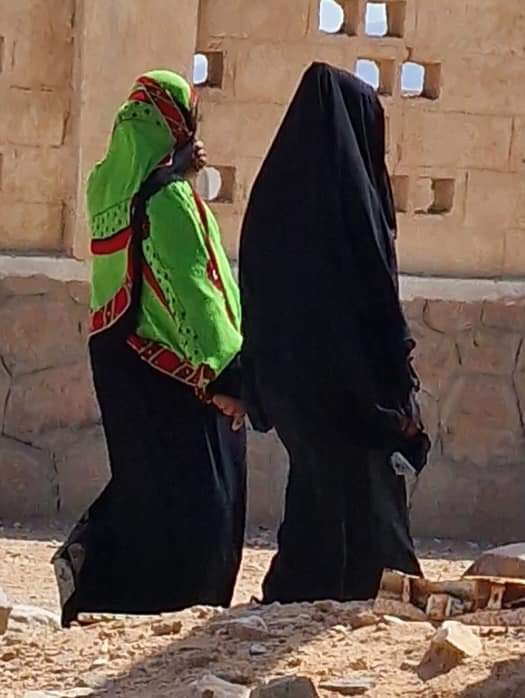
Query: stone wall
[456, 151]
[471, 359]
[37, 169]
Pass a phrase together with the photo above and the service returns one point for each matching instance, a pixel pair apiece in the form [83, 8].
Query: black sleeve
[229, 382]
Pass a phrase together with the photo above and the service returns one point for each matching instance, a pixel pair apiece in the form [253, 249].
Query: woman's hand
[200, 156]
[231, 407]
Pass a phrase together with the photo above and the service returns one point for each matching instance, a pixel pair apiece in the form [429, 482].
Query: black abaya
[167, 532]
[326, 347]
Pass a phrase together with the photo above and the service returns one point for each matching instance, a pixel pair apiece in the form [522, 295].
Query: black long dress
[326, 347]
[167, 532]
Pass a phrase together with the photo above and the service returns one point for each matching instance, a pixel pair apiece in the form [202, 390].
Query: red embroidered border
[149, 91]
[168, 362]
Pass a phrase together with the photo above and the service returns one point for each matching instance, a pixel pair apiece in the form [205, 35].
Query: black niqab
[323, 325]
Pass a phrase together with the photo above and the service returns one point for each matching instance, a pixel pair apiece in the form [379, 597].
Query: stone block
[43, 42]
[266, 455]
[499, 29]
[50, 399]
[260, 21]
[37, 285]
[463, 440]
[482, 84]
[34, 117]
[514, 254]
[429, 413]
[270, 72]
[491, 199]
[489, 401]
[82, 469]
[452, 643]
[451, 317]
[40, 332]
[436, 139]
[414, 309]
[517, 153]
[30, 226]
[435, 358]
[508, 316]
[461, 252]
[230, 129]
[488, 351]
[505, 561]
[39, 175]
[80, 292]
[29, 488]
[447, 502]
[286, 687]
[210, 686]
[5, 611]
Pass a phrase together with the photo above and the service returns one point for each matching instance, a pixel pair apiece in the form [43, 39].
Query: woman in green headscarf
[167, 531]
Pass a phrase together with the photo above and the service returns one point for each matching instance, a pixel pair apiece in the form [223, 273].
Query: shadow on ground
[506, 680]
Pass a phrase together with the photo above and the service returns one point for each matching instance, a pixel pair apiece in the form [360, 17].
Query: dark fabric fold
[326, 352]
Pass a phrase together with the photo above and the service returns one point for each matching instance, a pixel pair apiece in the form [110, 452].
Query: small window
[376, 19]
[434, 196]
[217, 184]
[331, 17]
[421, 80]
[400, 190]
[208, 69]
[340, 17]
[368, 71]
[379, 74]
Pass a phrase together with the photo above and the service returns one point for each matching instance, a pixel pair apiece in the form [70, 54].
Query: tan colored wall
[37, 169]
[474, 133]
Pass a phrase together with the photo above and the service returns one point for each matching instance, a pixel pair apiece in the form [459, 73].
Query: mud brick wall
[456, 150]
[37, 167]
[470, 356]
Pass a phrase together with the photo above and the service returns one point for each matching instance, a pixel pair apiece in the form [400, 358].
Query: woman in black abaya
[326, 348]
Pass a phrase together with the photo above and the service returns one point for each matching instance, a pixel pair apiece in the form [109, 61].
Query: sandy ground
[129, 660]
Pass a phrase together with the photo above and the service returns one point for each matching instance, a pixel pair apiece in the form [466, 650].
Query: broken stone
[247, 628]
[33, 615]
[5, 611]
[72, 693]
[392, 607]
[348, 687]
[257, 650]
[393, 620]
[451, 644]
[507, 561]
[211, 686]
[166, 626]
[286, 687]
[363, 619]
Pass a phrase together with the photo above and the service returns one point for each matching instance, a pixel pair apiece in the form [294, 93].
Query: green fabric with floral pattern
[200, 319]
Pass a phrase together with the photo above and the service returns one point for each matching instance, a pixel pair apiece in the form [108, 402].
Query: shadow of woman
[211, 648]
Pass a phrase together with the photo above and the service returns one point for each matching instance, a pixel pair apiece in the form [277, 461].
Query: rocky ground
[150, 659]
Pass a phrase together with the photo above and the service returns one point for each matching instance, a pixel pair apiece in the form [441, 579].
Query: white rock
[210, 686]
[348, 687]
[5, 611]
[72, 693]
[33, 615]
[286, 687]
[451, 644]
[505, 561]
[247, 628]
